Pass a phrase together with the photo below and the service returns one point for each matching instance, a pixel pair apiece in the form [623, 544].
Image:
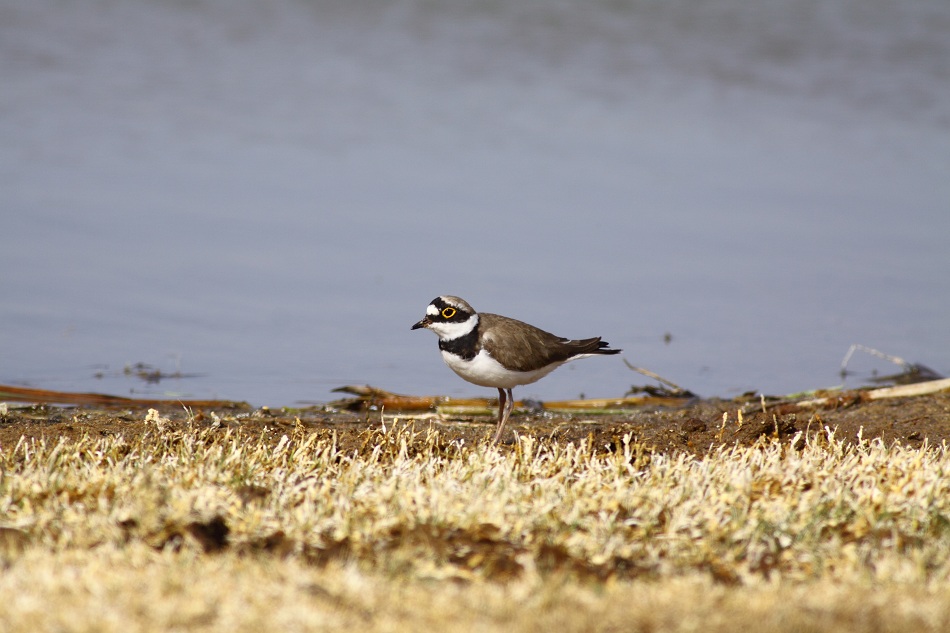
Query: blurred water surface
[268, 194]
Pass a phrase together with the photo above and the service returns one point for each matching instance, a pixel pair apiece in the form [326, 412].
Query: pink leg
[506, 402]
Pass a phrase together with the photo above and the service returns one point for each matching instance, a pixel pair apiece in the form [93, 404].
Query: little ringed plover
[490, 350]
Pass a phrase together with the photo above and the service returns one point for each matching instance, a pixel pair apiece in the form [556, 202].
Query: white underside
[485, 371]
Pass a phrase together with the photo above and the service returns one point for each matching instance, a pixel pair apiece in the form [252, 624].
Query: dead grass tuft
[202, 528]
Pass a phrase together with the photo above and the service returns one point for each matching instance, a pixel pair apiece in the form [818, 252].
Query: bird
[491, 350]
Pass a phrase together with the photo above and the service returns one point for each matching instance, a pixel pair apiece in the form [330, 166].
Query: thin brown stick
[650, 374]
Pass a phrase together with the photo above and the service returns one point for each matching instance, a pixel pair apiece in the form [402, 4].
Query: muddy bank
[695, 427]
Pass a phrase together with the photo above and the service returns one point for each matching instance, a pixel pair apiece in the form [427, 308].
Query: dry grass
[211, 530]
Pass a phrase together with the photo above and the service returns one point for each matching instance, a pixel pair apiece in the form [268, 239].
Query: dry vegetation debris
[299, 530]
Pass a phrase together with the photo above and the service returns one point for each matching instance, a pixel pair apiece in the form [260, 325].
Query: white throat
[449, 331]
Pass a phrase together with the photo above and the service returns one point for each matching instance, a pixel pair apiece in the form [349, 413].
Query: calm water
[268, 194]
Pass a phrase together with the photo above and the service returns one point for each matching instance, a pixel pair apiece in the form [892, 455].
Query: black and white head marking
[449, 317]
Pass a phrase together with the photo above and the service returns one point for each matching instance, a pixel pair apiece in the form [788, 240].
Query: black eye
[448, 313]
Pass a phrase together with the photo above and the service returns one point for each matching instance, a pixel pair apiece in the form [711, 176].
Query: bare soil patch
[696, 427]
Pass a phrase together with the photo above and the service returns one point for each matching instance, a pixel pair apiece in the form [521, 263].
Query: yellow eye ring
[448, 313]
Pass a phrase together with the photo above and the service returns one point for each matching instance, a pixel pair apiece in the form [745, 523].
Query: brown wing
[527, 347]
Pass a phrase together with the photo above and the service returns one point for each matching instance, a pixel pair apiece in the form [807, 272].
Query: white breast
[485, 371]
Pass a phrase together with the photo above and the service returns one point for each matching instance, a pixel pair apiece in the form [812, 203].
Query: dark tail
[592, 346]
[603, 347]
